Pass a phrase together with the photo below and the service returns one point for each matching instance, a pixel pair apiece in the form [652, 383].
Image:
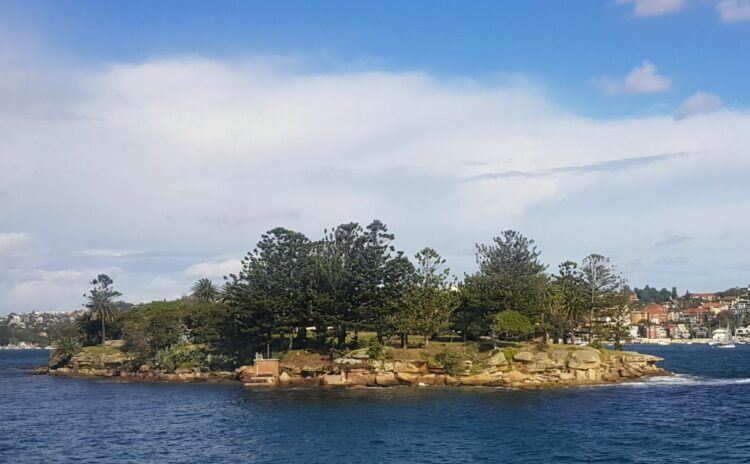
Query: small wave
[679, 380]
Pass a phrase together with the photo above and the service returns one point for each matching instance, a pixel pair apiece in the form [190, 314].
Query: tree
[511, 323]
[510, 276]
[205, 290]
[101, 301]
[270, 294]
[569, 293]
[428, 304]
[357, 278]
[600, 281]
[63, 350]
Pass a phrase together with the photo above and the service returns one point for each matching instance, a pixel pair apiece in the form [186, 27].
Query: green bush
[509, 353]
[64, 349]
[376, 351]
[452, 361]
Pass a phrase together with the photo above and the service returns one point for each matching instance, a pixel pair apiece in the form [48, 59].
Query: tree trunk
[301, 337]
[342, 336]
[320, 334]
[104, 333]
[404, 341]
[426, 340]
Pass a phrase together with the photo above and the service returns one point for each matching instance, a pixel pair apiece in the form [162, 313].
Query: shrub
[64, 349]
[509, 353]
[376, 351]
[452, 361]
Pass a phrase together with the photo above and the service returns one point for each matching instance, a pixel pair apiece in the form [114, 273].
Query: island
[349, 310]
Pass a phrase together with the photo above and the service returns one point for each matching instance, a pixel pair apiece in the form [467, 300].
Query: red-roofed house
[657, 314]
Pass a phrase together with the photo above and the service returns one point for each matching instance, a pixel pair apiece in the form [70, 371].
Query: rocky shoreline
[530, 367]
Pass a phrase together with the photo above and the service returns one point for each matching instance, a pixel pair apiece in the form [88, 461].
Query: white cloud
[651, 8]
[105, 253]
[697, 103]
[214, 269]
[642, 79]
[12, 241]
[734, 11]
[198, 157]
[48, 289]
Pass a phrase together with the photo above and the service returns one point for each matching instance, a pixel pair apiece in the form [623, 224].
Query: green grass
[101, 350]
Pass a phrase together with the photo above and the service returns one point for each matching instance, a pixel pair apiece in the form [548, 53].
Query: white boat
[719, 335]
[727, 342]
[663, 343]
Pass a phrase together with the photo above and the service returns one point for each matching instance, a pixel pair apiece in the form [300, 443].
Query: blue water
[701, 415]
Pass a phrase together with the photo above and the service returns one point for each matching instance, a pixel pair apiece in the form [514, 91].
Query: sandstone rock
[565, 376]
[524, 356]
[312, 371]
[439, 380]
[584, 359]
[405, 377]
[497, 361]
[386, 379]
[482, 378]
[347, 361]
[559, 357]
[450, 380]
[284, 377]
[629, 356]
[540, 363]
[333, 380]
[516, 376]
[360, 378]
[305, 382]
[411, 367]
[498, 378]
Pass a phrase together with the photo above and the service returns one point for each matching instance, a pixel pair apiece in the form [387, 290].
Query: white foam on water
[677, 380]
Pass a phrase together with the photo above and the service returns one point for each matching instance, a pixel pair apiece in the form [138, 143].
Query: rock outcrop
[527, 366]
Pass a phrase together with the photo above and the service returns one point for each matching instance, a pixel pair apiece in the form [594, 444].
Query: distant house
[704, 296]
[638, 316]
[657, 314]
[695, 316]
[657, 331]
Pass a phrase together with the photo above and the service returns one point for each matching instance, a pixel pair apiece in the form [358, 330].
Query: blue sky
[157, 140]
[561, 45]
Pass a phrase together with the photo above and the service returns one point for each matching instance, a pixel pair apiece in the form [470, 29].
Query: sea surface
[700, 415]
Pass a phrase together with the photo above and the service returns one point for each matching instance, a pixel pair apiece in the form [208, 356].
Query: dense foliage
[294, 292]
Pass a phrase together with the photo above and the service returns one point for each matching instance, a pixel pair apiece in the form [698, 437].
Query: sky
[156, 141]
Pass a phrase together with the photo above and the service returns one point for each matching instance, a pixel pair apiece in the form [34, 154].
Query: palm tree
[64, 349]
[205, 290]
[101, 301]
